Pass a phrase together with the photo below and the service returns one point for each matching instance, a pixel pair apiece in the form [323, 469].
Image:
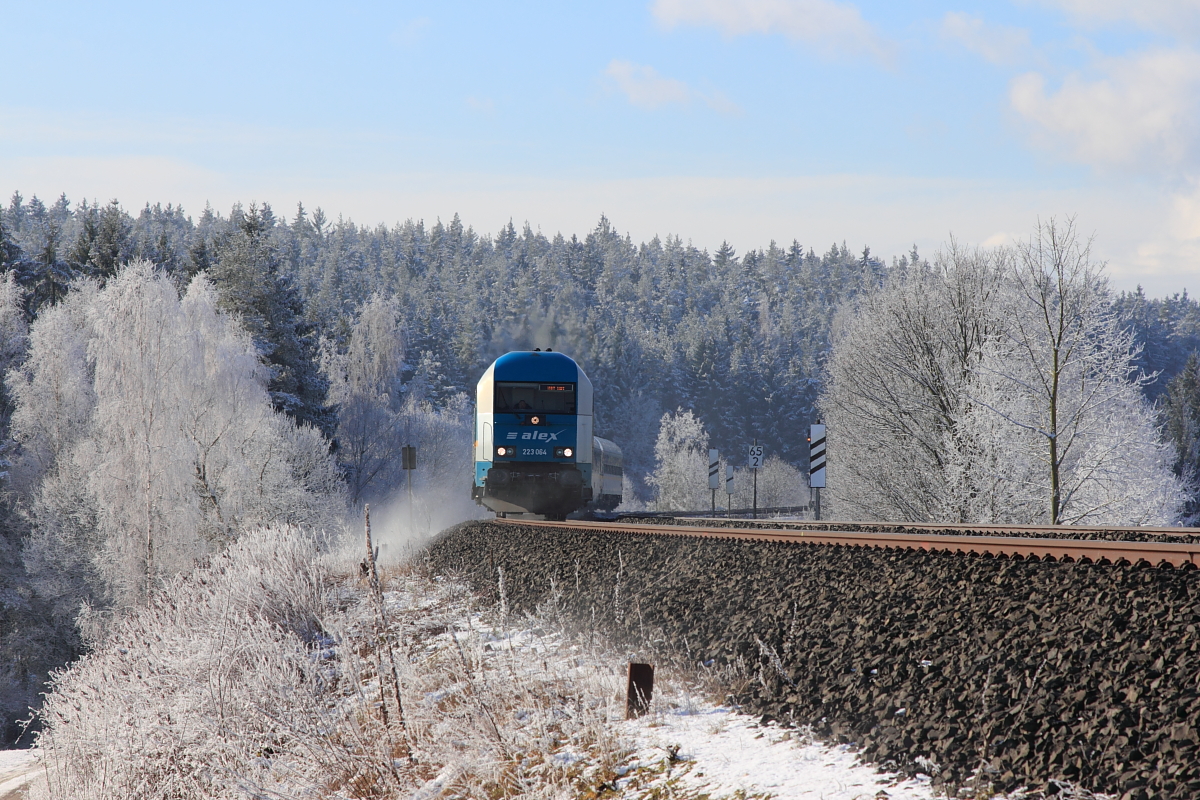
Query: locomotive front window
[548, 398]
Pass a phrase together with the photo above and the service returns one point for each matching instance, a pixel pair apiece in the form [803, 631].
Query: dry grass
[259, 677]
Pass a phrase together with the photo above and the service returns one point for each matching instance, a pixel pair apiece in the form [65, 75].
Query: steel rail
[1153, 553]
[901, 527]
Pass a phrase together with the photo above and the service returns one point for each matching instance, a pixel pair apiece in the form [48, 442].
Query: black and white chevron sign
[816, 456]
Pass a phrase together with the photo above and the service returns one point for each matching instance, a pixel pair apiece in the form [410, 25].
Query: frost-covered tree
[148, 439]
[249, 276]
[894, 395]
[14, 338]
[680, 478]
[44, 272]
[23, 629]
[1181, 417]
[779, 485]
[996, 387]
[1063, 377]
[379, 413]
[366, 390]
[10, 251]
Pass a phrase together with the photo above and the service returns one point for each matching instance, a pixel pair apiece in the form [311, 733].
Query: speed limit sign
[756, 456]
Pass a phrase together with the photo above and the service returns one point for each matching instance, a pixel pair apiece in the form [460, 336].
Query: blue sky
[873, 123]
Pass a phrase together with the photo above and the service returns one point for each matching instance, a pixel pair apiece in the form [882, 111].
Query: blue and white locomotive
[534, 448]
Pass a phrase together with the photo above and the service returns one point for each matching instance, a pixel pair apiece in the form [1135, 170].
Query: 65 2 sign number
[755, 456]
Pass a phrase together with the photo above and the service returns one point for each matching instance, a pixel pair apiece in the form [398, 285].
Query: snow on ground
[715, 750]
[17, 769]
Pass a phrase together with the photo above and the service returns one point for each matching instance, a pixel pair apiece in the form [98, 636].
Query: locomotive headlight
[504, 451]
[568, 452]
[535, 420]
[564, 452]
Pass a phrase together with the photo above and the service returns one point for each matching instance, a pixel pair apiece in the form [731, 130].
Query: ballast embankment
[990, 671]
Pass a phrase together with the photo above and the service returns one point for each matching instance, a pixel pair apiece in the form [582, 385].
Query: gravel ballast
[1014, 673]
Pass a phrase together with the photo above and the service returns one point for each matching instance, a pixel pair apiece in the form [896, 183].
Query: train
[535, 452]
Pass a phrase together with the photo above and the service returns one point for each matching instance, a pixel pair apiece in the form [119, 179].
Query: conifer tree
[252, 285]
[1181, 415]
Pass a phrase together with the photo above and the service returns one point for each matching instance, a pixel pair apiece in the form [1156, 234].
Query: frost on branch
[995, 386]
[681, 452]
[379, 413]
[148, 440]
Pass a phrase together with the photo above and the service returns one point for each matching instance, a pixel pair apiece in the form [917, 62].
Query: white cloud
[411, 32]
[720, 103]
[646, 88]
[832, 27]
[1172, 16]
[999, 44]
[1185, 216]
[1143, 109]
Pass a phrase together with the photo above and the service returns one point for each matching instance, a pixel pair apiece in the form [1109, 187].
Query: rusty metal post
[640, 690]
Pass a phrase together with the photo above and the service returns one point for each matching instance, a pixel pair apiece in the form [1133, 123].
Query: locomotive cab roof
[533, 365]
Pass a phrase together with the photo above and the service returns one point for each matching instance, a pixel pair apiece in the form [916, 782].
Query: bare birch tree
[1062, 376]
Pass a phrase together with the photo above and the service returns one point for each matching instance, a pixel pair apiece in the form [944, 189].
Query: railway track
[993, 540]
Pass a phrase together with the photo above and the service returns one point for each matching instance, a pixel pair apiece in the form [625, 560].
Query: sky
[877, 124]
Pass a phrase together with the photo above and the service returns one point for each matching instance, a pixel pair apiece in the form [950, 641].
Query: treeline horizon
[659, 325]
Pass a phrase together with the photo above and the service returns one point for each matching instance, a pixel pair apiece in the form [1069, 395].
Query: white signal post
[816, 465]
[729, 487]
[755, 462]
[714, 475]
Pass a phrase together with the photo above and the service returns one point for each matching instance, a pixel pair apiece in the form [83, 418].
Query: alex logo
[540, 436]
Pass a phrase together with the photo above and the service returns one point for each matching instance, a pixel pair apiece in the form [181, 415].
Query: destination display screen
[548, 398]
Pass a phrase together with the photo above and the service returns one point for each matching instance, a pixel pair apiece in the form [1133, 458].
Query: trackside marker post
[755, 462]
[408, 463]
[729, 487]
[816, 465]
[639, 690]
[714, 475]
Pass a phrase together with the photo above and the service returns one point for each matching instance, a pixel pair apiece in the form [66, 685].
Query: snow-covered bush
[259, 676]
[148, 440]
[190, 694]
[680, 478]
[779, 484]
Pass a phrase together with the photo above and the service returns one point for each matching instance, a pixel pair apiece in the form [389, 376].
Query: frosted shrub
[779, 484]
[258, 676]
[190, 695]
